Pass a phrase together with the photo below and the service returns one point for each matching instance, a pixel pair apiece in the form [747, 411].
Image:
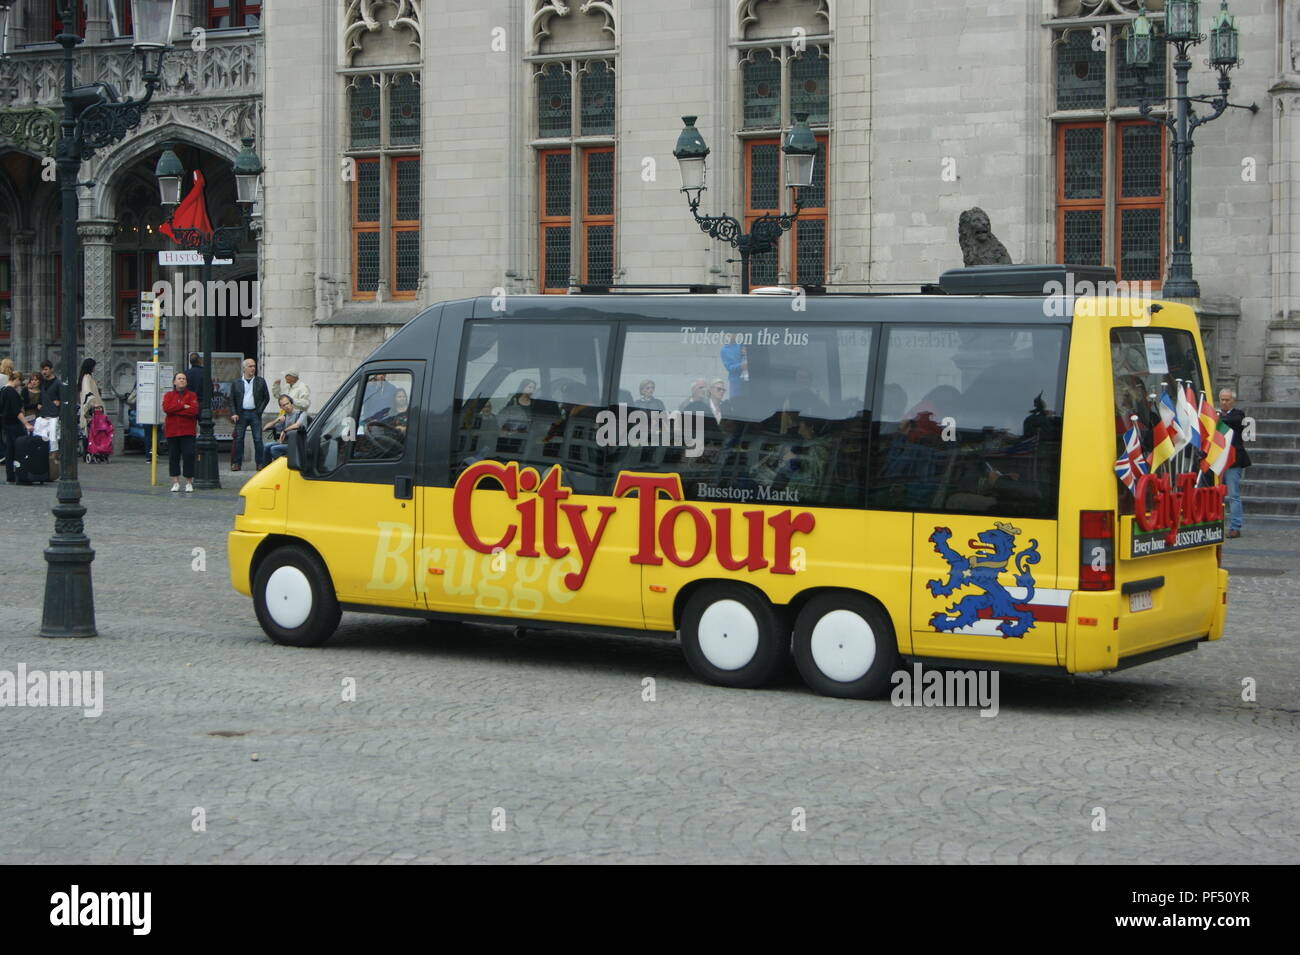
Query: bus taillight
[1096, 550]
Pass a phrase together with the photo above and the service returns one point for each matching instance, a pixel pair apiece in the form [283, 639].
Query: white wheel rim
[728, 634]
[288, 597]
[843, 646]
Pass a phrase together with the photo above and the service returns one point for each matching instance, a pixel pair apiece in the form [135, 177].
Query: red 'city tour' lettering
[540, 515]
[1188, 504]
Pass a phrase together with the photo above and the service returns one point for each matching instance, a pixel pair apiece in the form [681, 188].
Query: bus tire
[731, 636]
[294, 598]
[844, 646]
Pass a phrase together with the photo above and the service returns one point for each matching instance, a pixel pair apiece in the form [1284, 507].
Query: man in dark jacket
[194, 375]
[1234, 417]
[249, 397]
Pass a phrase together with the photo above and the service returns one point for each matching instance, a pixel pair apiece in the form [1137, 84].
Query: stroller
[98, 440]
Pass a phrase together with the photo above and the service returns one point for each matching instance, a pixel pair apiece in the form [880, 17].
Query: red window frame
[589, 218]
[786, 252]
[548, 222]
[125, 297]
[1122, 202]
[237, 10]
[398, 226]
[359, 227]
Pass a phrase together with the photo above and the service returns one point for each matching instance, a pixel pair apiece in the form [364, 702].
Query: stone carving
[360, 17]
[1105, 8]
[34, 129]
[547, 9]
[229, 121]
[979, 246]
[748, 12]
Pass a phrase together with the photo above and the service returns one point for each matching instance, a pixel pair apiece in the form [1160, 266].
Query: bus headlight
[239, 508]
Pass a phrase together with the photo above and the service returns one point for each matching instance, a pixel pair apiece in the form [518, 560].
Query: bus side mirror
[296, 452]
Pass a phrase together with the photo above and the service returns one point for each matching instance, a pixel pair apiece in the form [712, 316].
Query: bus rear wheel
[844, 646]
[294, 598]
[731, 636]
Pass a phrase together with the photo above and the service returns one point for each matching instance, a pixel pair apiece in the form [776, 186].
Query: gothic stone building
[211, 97]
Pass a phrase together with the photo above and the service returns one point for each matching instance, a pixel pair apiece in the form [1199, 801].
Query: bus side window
[337, 432]
[530, 392]
[970, 421]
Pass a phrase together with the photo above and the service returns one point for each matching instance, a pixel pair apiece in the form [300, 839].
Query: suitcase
[31, 460]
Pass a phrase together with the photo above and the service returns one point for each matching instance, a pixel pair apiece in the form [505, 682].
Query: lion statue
[979, 246]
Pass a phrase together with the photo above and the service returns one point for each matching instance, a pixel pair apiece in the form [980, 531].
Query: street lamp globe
[1138, 50]
[247, 167]
[151, 24]
[800, 150]
[1183, 20]
[690, 153]
[1223, 40]
[169, 172]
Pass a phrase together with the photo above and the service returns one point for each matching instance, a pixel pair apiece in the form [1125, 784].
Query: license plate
[1140, 601]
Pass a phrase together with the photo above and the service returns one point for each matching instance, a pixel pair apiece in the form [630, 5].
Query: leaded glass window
[384, 139]
[556, 240]
[762, 89]
[554, 102]
[765, 176]
[810, 85]
[1082, 162]
[557, 179]
[1082, 237]
[363, 108]
[404, 111]
[1080, 72]
[598, 100]
[1143, 153]
[1139, 244]
[1128, 91]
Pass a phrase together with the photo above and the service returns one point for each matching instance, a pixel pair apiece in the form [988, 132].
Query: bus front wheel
[844, 646]
[731, 636]
[294, 598]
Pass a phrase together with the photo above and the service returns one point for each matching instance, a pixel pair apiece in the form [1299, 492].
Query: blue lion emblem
[993, 551]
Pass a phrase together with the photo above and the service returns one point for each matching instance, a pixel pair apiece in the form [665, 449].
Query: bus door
[528, 528]
[970, 443]
[356, 501]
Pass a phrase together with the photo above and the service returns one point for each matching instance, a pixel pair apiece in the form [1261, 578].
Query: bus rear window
[970, 420]
[1145, 363]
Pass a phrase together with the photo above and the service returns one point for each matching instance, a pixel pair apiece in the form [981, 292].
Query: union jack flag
[1131, 464]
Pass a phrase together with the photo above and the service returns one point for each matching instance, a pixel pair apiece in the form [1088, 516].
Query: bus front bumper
[240, 548]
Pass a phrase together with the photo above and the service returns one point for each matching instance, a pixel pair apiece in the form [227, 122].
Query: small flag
[1220, 454]
[1162, 435]
[1187, 417]
[1173, 420]
[1209, 421]
[1131, 464]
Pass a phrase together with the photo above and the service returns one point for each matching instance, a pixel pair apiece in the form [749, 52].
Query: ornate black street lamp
[1182, 31]
[800, 148]
[220, 243]
[94, 117]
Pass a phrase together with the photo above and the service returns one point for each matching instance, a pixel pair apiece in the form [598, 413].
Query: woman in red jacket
[181, 407]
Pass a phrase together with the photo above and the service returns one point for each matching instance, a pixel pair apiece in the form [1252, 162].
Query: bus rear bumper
[1220, 607]
[240, 548]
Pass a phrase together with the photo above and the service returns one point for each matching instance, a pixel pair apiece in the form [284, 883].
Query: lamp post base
[207, 464]
[69, 596]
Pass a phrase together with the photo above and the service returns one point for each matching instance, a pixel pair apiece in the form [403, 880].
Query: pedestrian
[194, 375]
[249, 397]
[47, 424]
[6, 369]
[88, 396]
[181, 409]
[296, 390]
[32, 397]
[1233, 417]
[290, 419]
[13, 423]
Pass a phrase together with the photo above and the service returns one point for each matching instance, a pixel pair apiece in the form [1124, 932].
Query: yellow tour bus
[960, 477]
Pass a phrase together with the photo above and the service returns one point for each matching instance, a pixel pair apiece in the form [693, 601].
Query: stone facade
[211, 96]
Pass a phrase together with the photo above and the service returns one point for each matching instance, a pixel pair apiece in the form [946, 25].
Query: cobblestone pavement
[451, 723]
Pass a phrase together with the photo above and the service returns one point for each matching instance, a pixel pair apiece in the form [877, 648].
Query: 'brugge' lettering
[1188, 504]
[540, 508]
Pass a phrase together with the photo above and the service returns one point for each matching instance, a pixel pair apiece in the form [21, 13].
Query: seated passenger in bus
[804, 398]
